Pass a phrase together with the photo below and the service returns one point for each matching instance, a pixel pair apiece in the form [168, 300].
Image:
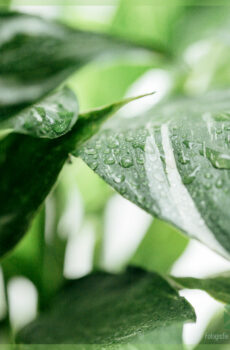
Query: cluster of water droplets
[51, 118]
[47, 122]
[119, 158]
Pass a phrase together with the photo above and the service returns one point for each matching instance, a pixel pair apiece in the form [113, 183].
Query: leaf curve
[101, 308]
[174, 162]
[51, 117]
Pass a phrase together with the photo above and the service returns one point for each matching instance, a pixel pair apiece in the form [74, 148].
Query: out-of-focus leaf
[174, 162]
[175, 23]
[37, 55]
[160, 248]
[199, 22]
[217, 286]
[29, 168]
[106, 310]
[50, 118]
[149, 21]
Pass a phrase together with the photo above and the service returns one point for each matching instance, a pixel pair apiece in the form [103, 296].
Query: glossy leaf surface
[174, 162]
[50, 118]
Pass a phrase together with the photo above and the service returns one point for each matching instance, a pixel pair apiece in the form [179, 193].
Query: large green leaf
[217, 286]
[136, 306]
[174, 162]
[37, 55]
[50, 118]
[29, 168]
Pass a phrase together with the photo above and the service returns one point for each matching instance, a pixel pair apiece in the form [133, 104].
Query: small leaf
[37, 55]
[174, 162]
[217, 286]
[50, 118]
[29, 167]
[112, 309]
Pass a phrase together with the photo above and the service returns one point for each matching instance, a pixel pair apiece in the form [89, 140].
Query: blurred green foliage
[197, 39]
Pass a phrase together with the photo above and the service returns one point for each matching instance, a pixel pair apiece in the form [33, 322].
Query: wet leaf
[174, 162]
[135, 307]
[29, 168]
[50, 118]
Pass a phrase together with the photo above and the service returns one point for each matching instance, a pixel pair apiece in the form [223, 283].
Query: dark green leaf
[37, 55]
[174, 162]
[112, 309]
[217, 286]
[29, 167]
[50, 118]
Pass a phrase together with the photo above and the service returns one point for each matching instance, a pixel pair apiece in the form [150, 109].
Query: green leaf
[217, 286]
[174, 23]
[160, 248]
[50, 118]
[37, 55]
[149, 21]
[112, 309]
[29, 167]
[174, 162]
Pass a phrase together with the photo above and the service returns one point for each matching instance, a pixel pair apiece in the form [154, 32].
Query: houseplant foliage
[172, 160]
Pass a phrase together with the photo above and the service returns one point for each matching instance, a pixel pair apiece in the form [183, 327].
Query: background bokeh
[84, 225]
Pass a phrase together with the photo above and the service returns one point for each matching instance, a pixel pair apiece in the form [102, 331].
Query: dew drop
[126, 162]
[208, 175]
[219, 183]
[140, 160]
[188, 179]
[218, 159]
[109, 160]
[129, 138]
[118, 178]
[112, 142]
[207, 185]
[116, 151]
